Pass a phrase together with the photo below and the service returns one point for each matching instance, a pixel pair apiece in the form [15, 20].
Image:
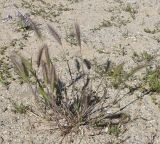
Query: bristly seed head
[53, 77]
[77, 64]
[54, 34]
[87, 63]
[78, 34]
[40, 56]
[45, 72]
[47, 56]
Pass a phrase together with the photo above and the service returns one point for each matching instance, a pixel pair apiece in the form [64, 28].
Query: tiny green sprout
[153, 79]
[114, 130]
[117, 75]
[130, 9]
[148, 57]
[144, 56]
[20, 108]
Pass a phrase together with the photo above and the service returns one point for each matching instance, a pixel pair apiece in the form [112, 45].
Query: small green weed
[153, 79]
[130, 9]
[104, 24]
[114, 130]
[111, 71]
[143, 57]
[20, 108]
[117, 74]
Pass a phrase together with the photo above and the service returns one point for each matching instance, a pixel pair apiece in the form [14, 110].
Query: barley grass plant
[70, 104]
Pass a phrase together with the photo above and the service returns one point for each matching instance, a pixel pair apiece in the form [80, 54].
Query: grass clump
[69, 103]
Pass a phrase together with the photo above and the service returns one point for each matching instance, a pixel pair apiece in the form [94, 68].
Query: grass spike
[87, 63]
[53, 77]
[54, 34]
[40, 56]
[45, 72]
[78, 34]
[47, 56]
[77, 64]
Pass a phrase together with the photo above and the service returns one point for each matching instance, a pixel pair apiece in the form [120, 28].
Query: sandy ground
[118, 28]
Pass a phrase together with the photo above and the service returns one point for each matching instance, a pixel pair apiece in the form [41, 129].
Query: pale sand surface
[124, 34]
